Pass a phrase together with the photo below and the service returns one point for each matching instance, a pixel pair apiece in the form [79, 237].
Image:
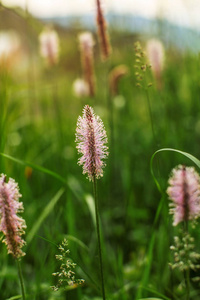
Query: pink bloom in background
[49, 45]
[156, 54]
[11, 224]
[91, 139]
[184, 191]
[86, 43]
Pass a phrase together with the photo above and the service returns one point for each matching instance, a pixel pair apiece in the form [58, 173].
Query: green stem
[187, 272]
[151, 115]
[98, 237]
[187, 283]
[21, 279]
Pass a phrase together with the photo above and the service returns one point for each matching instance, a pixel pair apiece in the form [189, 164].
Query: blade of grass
[15, 297]
[36, 167]
[77, 241]
[152, 299]
[91, 206]
[41, 237]
[188, 155]
[72, 183]
[47, 210]
[75, 186]
[156, 293]
[147, 270]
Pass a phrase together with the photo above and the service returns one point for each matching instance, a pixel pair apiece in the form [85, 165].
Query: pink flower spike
[91, 139]
[184, 191]
[11, 224]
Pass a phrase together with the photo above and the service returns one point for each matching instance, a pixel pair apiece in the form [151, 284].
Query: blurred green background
[38, 116]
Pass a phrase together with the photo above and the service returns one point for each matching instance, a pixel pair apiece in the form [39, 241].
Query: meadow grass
[38, 119]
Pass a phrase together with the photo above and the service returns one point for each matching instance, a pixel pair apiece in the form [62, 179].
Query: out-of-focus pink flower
[49, 45]
[184, 191]
[91, 139]
[80, 88]
[11, 224]
[86, 47]
[155, 54]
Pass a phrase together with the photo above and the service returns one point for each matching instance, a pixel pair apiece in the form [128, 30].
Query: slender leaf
[188, 155]
[34, 166]
[47, 210]
[91, 206]
[77, 241]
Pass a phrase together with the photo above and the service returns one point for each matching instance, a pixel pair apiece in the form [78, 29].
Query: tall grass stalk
[98, 236]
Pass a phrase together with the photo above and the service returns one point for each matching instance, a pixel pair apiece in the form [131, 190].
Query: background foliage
[38, 118]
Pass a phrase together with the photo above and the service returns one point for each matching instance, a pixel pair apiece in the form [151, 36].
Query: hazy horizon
[181, 12]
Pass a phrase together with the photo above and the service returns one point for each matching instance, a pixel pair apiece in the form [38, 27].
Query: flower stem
[151, 115]
[21, 279]
[98, 237]
[187, 283]
[187, 272]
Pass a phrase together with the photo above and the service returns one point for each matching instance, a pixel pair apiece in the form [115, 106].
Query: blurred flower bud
[155, 54]
[80, 88]
[49, 45]
[86, 47]
[114, 77]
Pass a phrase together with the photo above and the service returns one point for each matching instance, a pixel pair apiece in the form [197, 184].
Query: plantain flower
[184, 191]
[91, 139]
[102, 33]
[156, 53]
[11, 224]
[49, 45]
[86, 43]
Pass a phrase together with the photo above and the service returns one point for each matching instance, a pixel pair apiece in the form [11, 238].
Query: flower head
[141, 66]
[80, 88]
[66, 274]
[49, 45]
[86, 42]
[11, 224]
[184, 191]
[102, 33]
[156, 53]
[91, 139]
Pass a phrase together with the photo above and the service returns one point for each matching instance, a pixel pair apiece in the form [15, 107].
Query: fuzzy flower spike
[184, 191]
[91, 139]
[11, 224]
[86, 42]
[103, 33]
